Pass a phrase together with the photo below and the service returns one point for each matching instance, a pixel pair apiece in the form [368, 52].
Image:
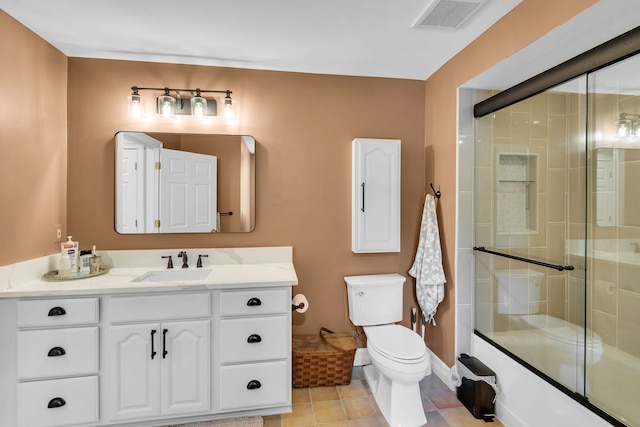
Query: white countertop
[228, 268]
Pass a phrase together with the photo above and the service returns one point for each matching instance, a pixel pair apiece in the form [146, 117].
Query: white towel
[427, 267]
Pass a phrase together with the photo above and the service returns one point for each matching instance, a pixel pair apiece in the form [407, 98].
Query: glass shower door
[613, 306]
[530, 226]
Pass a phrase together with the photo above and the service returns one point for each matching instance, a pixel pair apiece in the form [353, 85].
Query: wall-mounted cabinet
[376, 195]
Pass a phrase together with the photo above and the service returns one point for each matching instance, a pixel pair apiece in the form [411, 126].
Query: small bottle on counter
[84, 262]
[70, 250]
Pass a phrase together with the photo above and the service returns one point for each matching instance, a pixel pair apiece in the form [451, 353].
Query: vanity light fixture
[169, 106]
[628, 125]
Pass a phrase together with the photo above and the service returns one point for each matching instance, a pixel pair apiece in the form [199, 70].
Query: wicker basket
[323, 360]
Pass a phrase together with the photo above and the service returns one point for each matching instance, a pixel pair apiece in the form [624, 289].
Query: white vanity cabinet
[159, 355]
[255, 348]
[375, 195]
[57, 362]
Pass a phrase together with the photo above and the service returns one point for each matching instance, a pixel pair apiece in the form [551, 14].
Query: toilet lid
[396, 342]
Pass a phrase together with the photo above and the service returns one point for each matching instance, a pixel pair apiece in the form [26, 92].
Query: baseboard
[361, 358]
[441, 370]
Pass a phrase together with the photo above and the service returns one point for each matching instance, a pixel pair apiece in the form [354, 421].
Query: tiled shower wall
[538, 127]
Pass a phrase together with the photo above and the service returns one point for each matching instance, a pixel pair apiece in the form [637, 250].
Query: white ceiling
[346, 37]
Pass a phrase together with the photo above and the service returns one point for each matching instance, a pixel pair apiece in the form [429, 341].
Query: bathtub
[612, 376]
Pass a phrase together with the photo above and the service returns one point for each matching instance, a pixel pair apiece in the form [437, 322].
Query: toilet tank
[375, 299]
[519, 291]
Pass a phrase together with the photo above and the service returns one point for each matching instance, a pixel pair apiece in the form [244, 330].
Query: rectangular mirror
[184, 183]
[617, 174]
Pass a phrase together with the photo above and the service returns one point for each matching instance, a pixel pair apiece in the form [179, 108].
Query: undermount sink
[172, 275]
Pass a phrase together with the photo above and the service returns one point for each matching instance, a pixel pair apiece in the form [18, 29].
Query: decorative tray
[53, 275]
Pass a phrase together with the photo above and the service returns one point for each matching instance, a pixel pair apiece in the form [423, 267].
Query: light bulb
[136, 106]
[166, 104]
[199, 106]
[229, 108]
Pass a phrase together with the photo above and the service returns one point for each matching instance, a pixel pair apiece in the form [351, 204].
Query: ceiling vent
[448, 14]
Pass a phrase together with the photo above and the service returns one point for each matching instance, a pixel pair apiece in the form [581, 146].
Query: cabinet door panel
[185, 367]
[133, 374]
[376, 195]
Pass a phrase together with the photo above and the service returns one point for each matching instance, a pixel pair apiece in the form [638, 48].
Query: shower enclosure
[557, 236]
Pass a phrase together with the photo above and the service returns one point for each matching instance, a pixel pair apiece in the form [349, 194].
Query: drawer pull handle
[153, 352]
[254, 385]
[56, 351]
[56, 402]
[57, 311]
[254, 302]
[254, 338]
[164, 343]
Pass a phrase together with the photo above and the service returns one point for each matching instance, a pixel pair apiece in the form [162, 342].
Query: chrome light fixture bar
[167, 105]
[628, 125]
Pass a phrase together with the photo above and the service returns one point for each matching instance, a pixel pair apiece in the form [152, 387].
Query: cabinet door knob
[254, 302]
[253, 338]
[56, 351]
[254, 385]
[57, 311]
[56, 402]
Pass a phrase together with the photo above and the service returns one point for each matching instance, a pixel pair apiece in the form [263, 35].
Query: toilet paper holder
[296, 307]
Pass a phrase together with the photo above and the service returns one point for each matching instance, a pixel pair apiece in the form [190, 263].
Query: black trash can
[477, 395]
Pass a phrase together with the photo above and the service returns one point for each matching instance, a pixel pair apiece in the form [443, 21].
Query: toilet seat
[564, 332]
[396, 342]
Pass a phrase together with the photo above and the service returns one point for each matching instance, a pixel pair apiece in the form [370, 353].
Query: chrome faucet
[183, 255]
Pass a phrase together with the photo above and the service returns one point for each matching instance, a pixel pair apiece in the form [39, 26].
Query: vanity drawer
[254, 302]
[74, 401]
[252, 339]
[255, 385]
[57, 312]
[57, 352]
[159, 307]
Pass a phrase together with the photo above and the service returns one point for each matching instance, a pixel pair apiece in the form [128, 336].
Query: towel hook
[436, 193]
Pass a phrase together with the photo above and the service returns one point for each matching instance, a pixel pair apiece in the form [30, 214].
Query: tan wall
[526, 23]
[303, 125]
[33, 150]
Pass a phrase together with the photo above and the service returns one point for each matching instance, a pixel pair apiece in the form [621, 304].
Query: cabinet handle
[362, 208]
[56, 402]
[56, 351]
[253, 338]
[254, 302]
[57, 311]
[253, 385]
[153, 352]
[164, 343]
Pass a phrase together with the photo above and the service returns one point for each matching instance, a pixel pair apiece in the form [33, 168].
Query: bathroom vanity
[124, 350]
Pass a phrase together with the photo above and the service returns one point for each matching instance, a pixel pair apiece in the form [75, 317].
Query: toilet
[399, 356]
[519, 297]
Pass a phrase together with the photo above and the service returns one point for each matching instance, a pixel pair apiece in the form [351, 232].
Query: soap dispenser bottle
[70, 249]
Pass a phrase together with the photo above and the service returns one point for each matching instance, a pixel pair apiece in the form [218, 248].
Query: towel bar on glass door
[530, 261]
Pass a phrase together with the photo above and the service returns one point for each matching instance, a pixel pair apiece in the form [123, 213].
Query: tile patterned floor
[354, 406]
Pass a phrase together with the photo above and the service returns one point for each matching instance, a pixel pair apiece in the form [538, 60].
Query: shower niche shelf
[517, 194]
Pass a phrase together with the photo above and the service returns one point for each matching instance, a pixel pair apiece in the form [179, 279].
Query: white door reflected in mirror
[169, 183]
